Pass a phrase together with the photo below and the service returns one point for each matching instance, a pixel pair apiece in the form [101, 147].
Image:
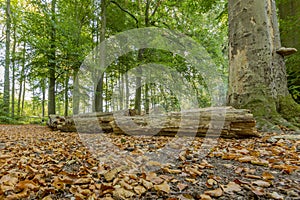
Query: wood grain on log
[226, 122]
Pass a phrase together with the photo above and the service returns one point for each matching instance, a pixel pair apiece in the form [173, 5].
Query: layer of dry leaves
[36, 163]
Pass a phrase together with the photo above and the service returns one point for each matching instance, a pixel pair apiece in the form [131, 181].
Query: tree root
[272, 116]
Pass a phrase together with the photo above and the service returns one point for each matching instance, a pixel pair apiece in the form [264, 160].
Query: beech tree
[257, 72]
[6, 95]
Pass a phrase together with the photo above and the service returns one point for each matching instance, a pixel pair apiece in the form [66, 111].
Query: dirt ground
[36, 163]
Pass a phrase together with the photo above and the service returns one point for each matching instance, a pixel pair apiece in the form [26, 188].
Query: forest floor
[37, 163]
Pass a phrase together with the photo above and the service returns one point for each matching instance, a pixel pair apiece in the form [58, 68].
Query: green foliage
[77, 27]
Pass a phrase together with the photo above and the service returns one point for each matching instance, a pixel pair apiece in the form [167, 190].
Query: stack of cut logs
[226, 122]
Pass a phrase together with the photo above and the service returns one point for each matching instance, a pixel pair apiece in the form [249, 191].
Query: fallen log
[225, 122]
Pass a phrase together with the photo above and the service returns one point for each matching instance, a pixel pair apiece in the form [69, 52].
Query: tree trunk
[7, 59]
[22, 78]
[43, 88]
[99, 87]
[23, 94]
[52, 62]
[257, 74]
[66, 95]
[13, 73]
[289, 13]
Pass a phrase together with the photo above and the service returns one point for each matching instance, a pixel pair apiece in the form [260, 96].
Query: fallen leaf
[139, 190]
[258, 191]
[267, 176]
[164, 187]
[171, 171]
[27, 184]
[9, 180]
[47, 197]
[191, 180]
[153, 163]
[214, 193]
[231, 187]
[261, 183]
[123, 193]
[211, 182]
[252, 176]
[245, 159]
[205, 197]
[125, 185]
[147, 184]
[21, 195]
[110, 175]
[275, 195]
[181, 186]
[82, 181]
[260, 162]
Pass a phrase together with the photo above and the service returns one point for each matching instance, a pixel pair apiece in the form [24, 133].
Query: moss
[289, 109]
[267, 115]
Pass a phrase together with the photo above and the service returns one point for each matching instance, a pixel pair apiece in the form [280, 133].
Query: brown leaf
[191, 180]
[245, 159]
[205, 197]
[110, 175]
[214, 193]
[171, 171]
[47, 197]
[260, 162]
[275, 195]
[82, 181]
[139, 190]
[125, 185]
[181, 186]
[123, 193]
[58, 184]
[267, 176]
[21, 195]
[147, 184]
[27, 184]
[261, 183]
[258, 191]
[252, 176]
[231, 187]
[164, 187]
[9, 180]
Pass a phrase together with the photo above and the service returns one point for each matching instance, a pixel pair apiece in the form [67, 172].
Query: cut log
[226, 122]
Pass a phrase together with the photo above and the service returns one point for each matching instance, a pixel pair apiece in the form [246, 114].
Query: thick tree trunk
[7, 59]
[257, 74]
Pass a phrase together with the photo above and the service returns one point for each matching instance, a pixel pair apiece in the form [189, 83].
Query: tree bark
[257, 74]
[13, 72]
[66, 95]
[289, 13]
[52, 62]
[22, 79]
[7, 59]
[99, 78]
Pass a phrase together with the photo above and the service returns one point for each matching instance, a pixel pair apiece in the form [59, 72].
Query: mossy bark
[257, 74]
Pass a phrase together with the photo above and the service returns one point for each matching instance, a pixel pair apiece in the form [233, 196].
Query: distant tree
[6, 91]
[289, 13]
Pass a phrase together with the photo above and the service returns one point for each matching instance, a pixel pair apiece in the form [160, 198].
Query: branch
[156, 7]
[136, 20]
